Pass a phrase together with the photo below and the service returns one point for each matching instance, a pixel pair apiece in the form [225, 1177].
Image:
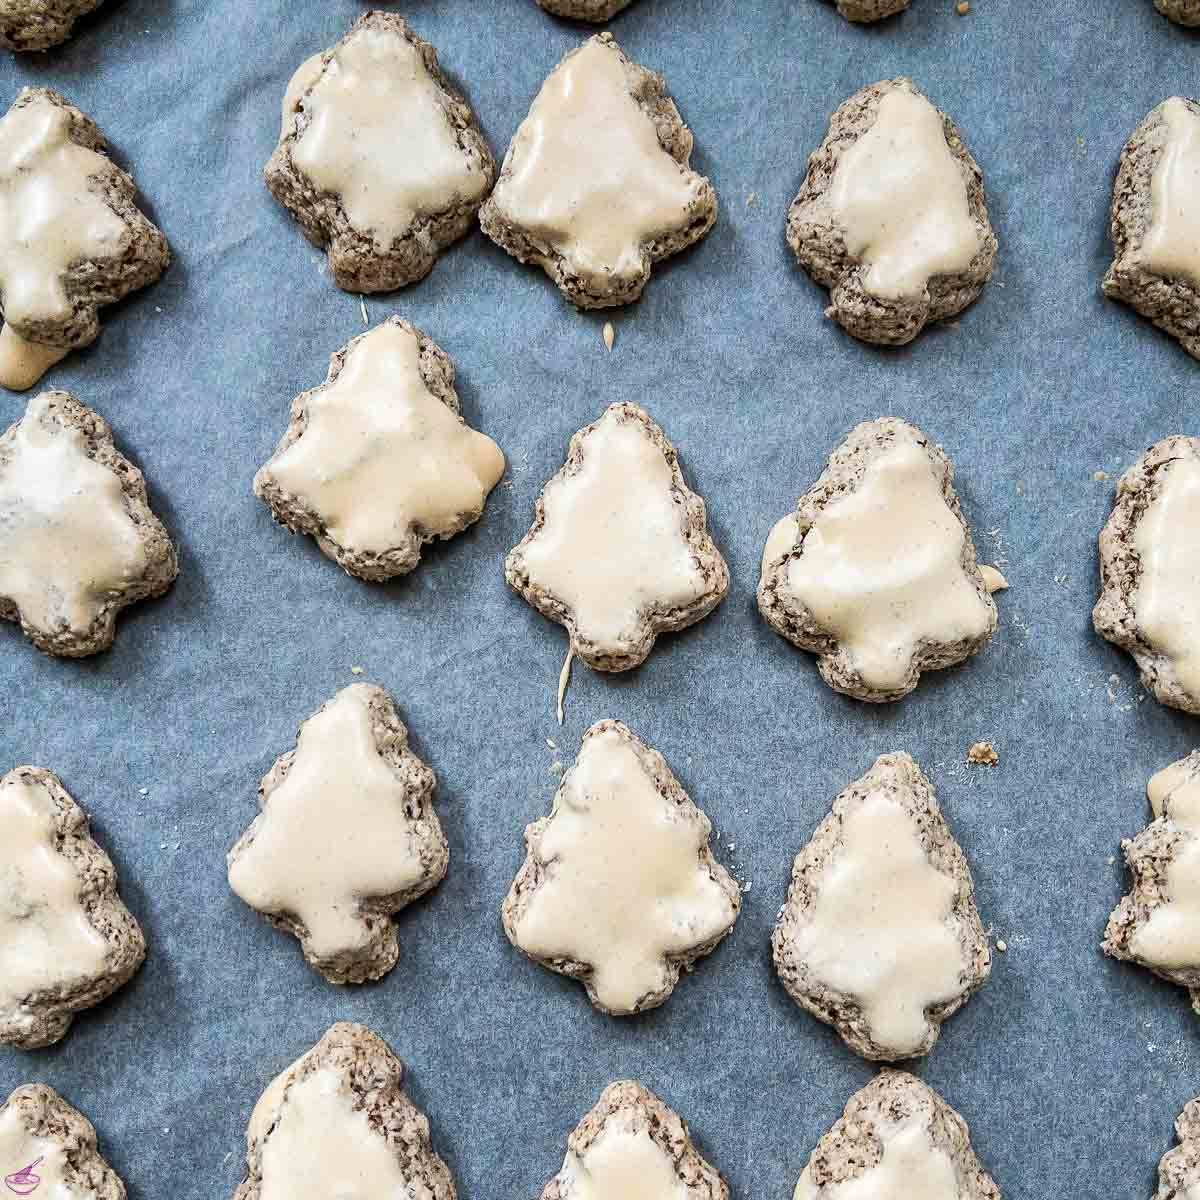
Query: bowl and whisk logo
[25, 1181]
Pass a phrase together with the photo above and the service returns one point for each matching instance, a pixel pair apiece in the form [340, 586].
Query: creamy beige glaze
[1175, 792]
[322, 1146]
[624, 884]
[900, 198]
[1171, 244]
[912, 1168]
[49, 219]
[993, 580]
[382, 456]
[23, 363]
[623, 1163]
[879, 930]
[332, 833]
[611, 545]
[780, 540]
[881, 568]
[46, 939]
[379, 137]
[66, 541]
[20, 1149]
[306, 74]
[1166, 603]
[587, 173]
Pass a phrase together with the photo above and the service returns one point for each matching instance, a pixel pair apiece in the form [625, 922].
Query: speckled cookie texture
[876, 572]
[930, 288]
[381, 160]
[896, 1137]
[870, 10]
[52, 1147]
[1185, 12]
[342, 1103]
[597, 184]
[377, 461]
[40, 24]
[619, 549]
[347, 837]
[584, 10]
[1179, 1169]
[68, 940]
[78, 541]
[620, 888]
[1150, 275]
[1146, 548]
[631, 1135]
[883, 945]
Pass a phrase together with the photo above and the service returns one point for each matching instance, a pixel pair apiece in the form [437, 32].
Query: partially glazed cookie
[1155, 224]
[78, 541]
[1157, 925]
[380, 159]
[619, 550]
[339, 1114]
[896, 1138]
[875, 572]
[584, 10]
[870, 10]
[633, 1146]
[1179, 1169]
[347, 836]
[880, 936]
[377, 461]
[596, 185]
[67, 942]
[40, 24]
[1184, 12]
[891, 216]
[1149, 600]
[72, 238]
[620, 889]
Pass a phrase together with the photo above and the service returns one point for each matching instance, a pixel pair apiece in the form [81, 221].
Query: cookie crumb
[556, 767]
[358, 670]
[610, 336]
[1111, 859]
[747, 885]
[552, 743]
[993, 580]
[564, 677]
[362, 304]
[1001, 945]
[983, 754]
[752, 200]
[962, 8]
[143, 791]
[1100, 476]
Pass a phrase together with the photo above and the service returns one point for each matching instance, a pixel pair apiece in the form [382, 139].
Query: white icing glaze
[45, 1159]
[1171, 244]
[622, 1163]
[899, 196]
[23, 363]
[1175, 792]
[381, 455]
[780, 540]
[911, 1168]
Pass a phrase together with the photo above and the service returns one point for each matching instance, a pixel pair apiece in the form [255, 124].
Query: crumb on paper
[752, 200]
[1111, 859]
[556, 767]
[609, 335]
[362, 304]
[1100, 476]
[993, 580]
[552, 743]
[564, 677]
[358, 670]
[143, 791]
[746, 885]
[983, 754]
[157, 309]
[1001, 945]
[962, 7]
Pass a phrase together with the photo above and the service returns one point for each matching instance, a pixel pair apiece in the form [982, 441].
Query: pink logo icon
[24, 1181]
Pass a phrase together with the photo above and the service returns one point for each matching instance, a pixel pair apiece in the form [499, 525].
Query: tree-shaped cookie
[338, 1123]
[71, 235]
[584, 10]
[66, 940]
[78, 541]
[596, 185]
[347, 836]
[620, 889]
[1155, 212]
[380, 158]
[891, 216]
[40, 24]
[880, 936]
[632, 1146]
[1179, 1169]
[896, 1140]
[48, 1150]
[1158, 924]
[619, 550]
[377, 460]
[1150, 571]
[875, 572]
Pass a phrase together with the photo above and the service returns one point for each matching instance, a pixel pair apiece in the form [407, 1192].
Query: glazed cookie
[870, 10]
[596, 185]
[1157, 925]
[51, 1147]
[880, 936]
[1149, 602]
[78, 541]
[634, 1146]
[620, 889]
[71, 236]
[339, 1114]
[1179, 1169]
[891, 216]
[584, 10]
[1185, 12]
[380, 159]
[40, 24]
[619, 550]
[897, 1137]
[347, 836]
[377, 460]
[875, 571]
[1155, 225]
[66, 940]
